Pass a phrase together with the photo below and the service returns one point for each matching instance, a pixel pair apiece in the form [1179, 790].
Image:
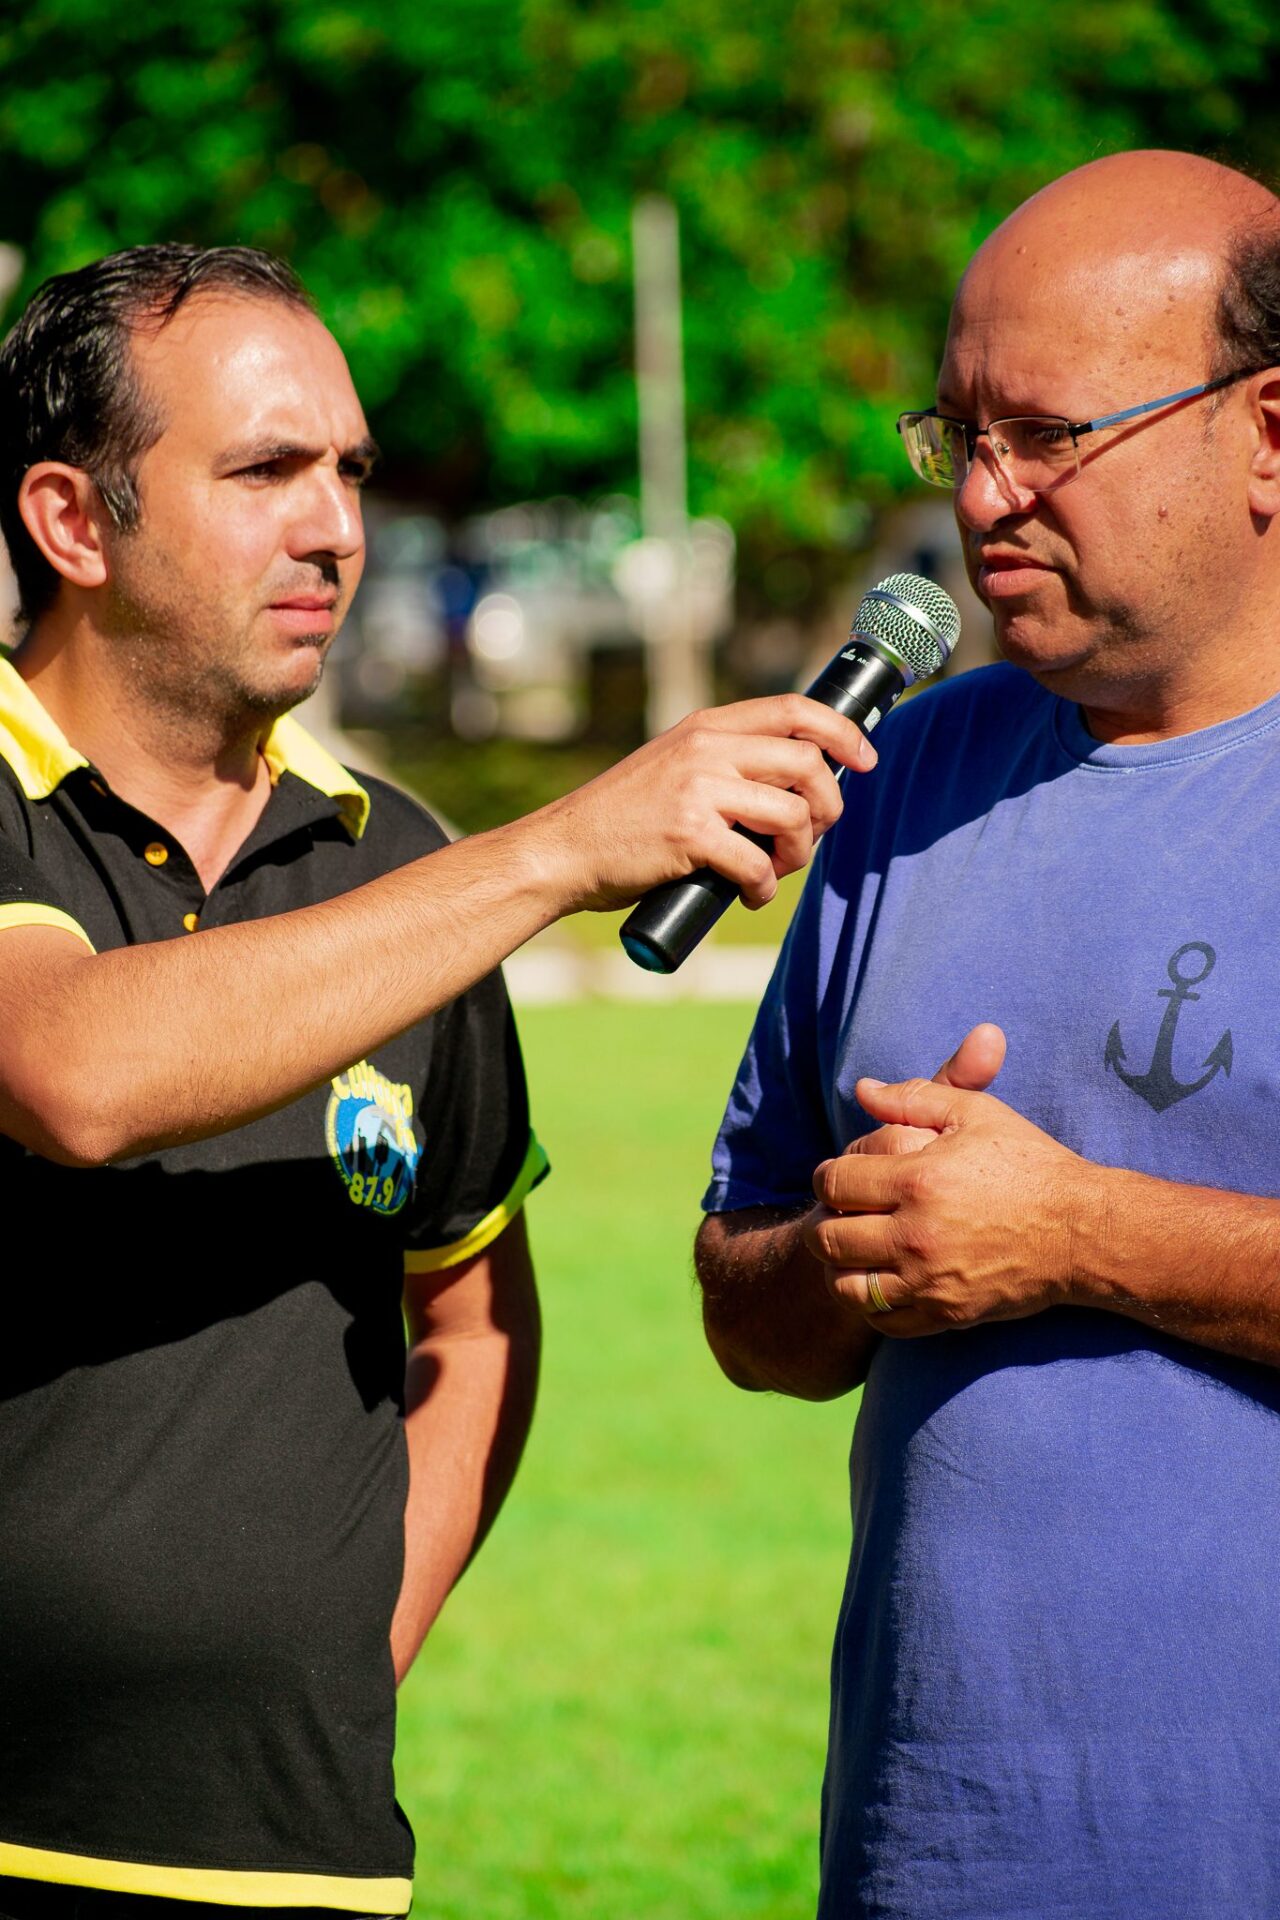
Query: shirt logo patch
[372, 1135]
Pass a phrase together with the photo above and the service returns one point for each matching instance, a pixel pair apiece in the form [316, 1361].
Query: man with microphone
[258, 1078]
[1056, 1679]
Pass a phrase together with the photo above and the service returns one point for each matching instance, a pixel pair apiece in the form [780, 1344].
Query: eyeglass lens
[1034, 450]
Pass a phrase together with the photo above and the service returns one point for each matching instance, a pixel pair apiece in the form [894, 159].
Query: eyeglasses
[1035, 450]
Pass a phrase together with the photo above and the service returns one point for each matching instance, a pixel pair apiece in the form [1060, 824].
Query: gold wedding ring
[878, 1302]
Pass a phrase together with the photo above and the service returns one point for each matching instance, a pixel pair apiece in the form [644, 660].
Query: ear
[62, 512]
[1263, 396]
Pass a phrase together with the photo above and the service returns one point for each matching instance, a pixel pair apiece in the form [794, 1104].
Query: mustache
[320, 576]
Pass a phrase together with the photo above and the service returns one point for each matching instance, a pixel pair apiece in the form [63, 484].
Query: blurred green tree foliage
[455, 184]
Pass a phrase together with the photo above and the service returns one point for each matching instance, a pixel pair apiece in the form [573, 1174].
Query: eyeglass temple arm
[1150, 406]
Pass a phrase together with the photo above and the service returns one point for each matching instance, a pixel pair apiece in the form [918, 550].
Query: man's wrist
[534, 868]
[551, 857]
[1105, 1205]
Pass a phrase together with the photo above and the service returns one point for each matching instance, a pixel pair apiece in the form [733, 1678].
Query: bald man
[1056, 1678]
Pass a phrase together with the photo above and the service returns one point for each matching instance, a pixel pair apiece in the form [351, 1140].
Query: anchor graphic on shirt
[1159, 1086]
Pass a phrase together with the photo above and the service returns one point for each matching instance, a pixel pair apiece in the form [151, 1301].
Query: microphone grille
[914, 616]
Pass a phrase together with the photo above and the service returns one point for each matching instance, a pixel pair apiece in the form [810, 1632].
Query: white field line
[541, 975]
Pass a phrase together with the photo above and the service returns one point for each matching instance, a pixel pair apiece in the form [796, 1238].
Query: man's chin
[1062, 663]
[1043, 648]
[288, 689]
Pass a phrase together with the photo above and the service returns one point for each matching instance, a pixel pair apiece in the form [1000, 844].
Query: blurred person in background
[1056, 1676]
[258, 1080]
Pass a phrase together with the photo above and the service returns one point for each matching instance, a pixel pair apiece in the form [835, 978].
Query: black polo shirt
[202, 1463]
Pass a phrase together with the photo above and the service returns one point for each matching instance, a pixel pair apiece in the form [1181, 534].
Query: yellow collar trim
[30, 740]
[42, 756]
[289, 748]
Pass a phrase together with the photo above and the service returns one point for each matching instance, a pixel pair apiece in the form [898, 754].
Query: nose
[328, 520]
[989, 494]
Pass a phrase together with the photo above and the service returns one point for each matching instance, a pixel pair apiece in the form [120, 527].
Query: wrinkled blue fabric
[1056, 1674]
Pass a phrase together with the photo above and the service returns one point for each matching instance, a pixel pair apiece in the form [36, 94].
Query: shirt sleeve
[776, 1128]
[27, 896]
[480, 1159]
[786, 1112]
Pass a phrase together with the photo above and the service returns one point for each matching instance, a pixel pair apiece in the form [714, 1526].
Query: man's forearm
[470, 1383]
[1191, 1261]
[180, 1039]
[108, 1056]
[770, 1318]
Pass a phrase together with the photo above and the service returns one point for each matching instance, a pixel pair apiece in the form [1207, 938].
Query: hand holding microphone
[904, 630]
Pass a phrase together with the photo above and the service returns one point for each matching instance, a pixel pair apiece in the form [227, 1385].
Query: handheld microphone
[903, 631]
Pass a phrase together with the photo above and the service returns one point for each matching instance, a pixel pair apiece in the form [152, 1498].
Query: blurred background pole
[677, 657]
[11, 265]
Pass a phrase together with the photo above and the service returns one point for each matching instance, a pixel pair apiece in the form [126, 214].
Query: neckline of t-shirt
[1103, 756]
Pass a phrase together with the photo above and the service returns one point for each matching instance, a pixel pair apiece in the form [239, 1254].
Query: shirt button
[191, 921]
[155, 854]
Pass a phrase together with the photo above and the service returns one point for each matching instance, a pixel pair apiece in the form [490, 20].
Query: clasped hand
[961, 1208]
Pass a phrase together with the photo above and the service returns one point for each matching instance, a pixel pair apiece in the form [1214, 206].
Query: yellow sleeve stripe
[209, 1884]
[20, 914]
[431, 1259]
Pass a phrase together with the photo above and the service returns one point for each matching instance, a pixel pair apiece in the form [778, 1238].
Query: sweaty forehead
[1019, 286]
[233, 368]
[1028, 313]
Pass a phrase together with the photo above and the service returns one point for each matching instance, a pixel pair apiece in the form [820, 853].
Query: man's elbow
[736, 1366]
[762, 1363]
[64, 1114]
[803, 1377]
[72, 1138]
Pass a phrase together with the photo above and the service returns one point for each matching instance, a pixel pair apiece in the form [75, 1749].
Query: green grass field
[740, 927]
[621, 1714]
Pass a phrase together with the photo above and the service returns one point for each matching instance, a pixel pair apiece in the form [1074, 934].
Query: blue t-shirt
[1056, 1675]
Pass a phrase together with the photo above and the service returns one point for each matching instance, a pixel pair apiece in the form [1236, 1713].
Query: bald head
[1141, 240]
[1148, 204]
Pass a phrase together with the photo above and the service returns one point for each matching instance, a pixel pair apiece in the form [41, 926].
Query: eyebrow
[1009, 411]
[260, 453]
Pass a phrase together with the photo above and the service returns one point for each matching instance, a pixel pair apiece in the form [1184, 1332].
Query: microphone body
[903, 631]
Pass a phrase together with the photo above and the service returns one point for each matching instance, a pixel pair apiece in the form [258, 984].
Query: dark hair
[68, 387]
[1248, 313]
